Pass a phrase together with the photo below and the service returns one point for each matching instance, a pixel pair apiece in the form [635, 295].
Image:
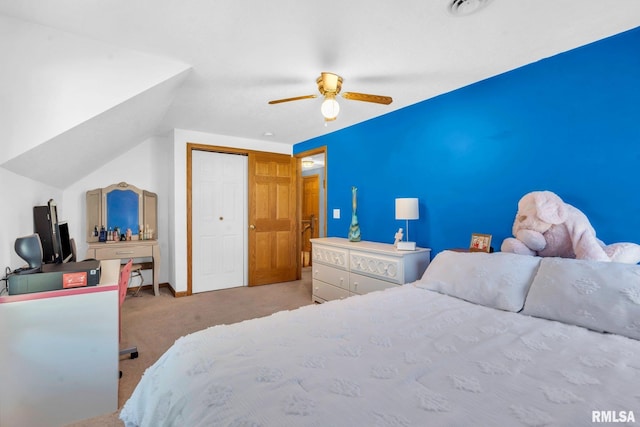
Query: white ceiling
[244, 53]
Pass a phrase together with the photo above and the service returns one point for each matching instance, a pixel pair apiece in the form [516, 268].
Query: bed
[481, 339]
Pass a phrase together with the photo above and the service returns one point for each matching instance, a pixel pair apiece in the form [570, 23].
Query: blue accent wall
[569, 124]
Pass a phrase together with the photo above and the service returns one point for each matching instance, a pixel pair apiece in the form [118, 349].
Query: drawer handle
[124, 252]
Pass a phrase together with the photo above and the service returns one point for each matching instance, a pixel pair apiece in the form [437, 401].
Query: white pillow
[603, 296]
[499, 280]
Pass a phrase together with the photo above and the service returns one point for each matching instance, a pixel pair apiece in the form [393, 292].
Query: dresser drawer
[328, 292]
[331, 275]
[329, 255]
[377, 266]
[116, 252]
[359, 284]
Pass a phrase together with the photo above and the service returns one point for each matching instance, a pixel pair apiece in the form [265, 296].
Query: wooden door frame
[299, 157]
[222, 150]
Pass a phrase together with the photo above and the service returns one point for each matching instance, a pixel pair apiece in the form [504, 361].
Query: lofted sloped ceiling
[65, 158]
[119, 70]
[70, 103]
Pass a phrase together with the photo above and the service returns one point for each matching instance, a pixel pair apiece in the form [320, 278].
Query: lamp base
[406, 246]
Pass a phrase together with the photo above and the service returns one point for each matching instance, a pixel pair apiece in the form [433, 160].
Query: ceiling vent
[466, 7]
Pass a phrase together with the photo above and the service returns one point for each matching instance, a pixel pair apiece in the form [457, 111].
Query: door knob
[253, 227]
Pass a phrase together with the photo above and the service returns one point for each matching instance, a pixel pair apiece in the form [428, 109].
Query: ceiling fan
[329, 86]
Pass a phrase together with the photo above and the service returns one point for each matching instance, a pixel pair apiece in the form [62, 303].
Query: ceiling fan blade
[378, 99]
[297, 98]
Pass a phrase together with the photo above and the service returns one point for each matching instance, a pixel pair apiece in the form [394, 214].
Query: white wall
[18, 196]
[179, 211]
[158, 164]
[147, 166]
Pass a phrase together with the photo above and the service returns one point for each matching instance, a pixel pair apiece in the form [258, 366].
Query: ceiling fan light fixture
[329, 86]
[330, 108]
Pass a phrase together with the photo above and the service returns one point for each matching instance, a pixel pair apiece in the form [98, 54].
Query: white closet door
[219, 221]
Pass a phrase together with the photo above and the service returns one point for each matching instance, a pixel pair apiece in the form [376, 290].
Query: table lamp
[407, 208]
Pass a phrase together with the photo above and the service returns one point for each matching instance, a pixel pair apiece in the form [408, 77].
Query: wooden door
[273, 226]
[310, 210]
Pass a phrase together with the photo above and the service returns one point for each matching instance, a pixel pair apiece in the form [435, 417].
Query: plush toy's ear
[550, 208]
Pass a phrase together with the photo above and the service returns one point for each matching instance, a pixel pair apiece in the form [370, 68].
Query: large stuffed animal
[546, 226]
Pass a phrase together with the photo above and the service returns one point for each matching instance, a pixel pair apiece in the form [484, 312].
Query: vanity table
[129, 249]
[126, 207]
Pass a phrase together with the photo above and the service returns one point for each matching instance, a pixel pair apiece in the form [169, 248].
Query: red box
[74, 280]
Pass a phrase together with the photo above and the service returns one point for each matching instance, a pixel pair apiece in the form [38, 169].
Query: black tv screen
[65, 242]
[46, 228]
[45, 224]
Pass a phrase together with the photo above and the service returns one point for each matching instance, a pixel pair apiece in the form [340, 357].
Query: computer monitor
[65, 242]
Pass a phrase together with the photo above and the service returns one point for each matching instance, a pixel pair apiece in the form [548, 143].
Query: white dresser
[342, 268]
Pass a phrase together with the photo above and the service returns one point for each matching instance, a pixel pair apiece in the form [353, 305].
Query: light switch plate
[336, 214]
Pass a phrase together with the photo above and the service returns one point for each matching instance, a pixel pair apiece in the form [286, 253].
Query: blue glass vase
[354, 228]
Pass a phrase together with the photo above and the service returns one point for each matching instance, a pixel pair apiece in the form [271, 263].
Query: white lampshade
[330, 108]
[407, 208]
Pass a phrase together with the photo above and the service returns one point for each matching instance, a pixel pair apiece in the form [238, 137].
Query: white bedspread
[403, 357]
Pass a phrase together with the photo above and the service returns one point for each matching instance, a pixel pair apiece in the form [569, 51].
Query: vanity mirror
[124, 206]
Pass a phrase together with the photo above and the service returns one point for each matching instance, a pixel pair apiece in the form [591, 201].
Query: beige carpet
[154, 323]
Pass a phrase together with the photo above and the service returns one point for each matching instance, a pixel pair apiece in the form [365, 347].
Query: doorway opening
[313, 200]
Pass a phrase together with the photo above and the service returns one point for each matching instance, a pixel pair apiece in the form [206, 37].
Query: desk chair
[123, 285]
[136, 271]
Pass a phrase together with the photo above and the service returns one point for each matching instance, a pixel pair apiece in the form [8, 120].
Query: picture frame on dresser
[480, 243]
